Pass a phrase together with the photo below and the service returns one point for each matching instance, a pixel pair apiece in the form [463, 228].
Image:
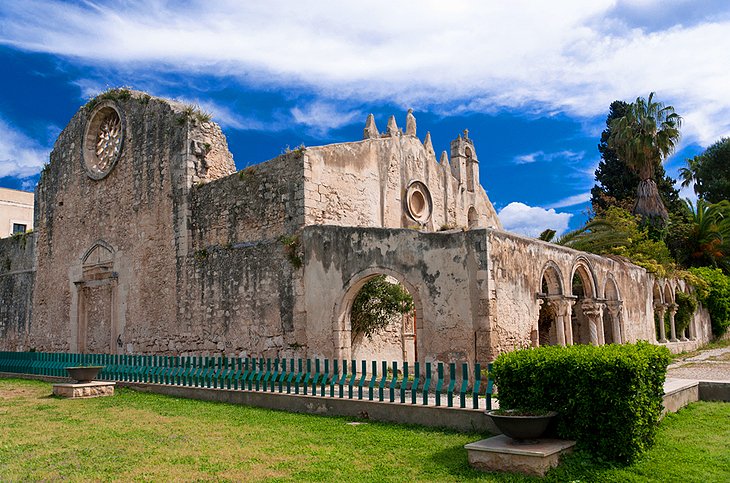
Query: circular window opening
[418, 202]
[103, 140]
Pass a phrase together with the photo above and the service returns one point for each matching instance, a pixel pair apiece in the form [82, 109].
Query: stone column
[672, 310]
[659, 309]
[594, 313]
[614, 308]
[692, 329]
[556, 306]
[564, 311]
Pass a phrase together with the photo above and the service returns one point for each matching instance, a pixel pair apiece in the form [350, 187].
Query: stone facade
[148, 241]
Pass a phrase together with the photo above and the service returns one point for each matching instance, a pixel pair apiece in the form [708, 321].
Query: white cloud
[20, 156]
[543, 156]
[464, 55]
[532, 220]
[321, 117]
[571, 200]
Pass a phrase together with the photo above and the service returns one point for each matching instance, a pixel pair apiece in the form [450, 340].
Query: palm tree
[709, 236]
[643, 138]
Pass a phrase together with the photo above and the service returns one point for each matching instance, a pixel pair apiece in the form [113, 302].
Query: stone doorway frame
[91, 274]
[342, 332]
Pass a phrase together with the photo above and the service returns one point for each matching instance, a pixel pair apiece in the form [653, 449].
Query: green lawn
[136, 436]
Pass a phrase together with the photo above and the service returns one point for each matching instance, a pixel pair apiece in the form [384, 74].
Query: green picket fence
[319, 377]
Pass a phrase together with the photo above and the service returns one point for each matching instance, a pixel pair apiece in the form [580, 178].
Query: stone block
[501, 453]
[86, 389]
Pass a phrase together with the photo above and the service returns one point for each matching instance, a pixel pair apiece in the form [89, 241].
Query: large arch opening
[583, 289]
[659, 328]
[551, 289]
[612, 330]
[669, 312]
[394, 340]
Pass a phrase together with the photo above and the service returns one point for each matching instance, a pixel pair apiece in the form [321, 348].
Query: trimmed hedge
[609, 398]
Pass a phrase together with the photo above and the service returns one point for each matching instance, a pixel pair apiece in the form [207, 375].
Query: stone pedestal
[500, 453]
[84, 389]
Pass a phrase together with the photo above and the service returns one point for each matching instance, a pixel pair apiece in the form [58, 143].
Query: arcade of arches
[582, 316]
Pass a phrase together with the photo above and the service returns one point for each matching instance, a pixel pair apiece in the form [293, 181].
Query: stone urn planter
[524, 427]
[83, 374]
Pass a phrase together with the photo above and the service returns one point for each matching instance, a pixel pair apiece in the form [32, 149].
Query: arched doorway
[395, 341]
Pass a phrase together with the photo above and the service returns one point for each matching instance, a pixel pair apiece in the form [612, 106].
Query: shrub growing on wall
[715, 296]
[609, 398]
[376, 304]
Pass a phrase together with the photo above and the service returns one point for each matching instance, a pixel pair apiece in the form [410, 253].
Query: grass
[137, 436]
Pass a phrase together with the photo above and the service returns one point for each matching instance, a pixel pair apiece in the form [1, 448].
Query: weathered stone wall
[516, 265]
[365, 184]
[442, 271]
[237, 299]
[137, 214]
[264, 201]
[17, 275]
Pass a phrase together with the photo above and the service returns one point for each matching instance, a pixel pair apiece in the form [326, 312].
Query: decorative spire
[392, 129]
[428, 145]
[370, 131]
[410, 123]
[444, 159]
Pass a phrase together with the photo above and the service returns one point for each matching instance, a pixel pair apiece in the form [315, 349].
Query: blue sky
[532, 81]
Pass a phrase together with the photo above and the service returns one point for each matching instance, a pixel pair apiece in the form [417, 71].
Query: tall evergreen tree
[616, 183]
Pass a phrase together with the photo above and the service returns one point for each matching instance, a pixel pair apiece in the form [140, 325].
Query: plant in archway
[376, 304]
[686, 307]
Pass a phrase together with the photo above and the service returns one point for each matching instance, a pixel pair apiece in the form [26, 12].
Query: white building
[16, 212]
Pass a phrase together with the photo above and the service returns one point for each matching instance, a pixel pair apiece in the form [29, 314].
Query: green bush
[715, 296]
[686, 307]
[609, 398]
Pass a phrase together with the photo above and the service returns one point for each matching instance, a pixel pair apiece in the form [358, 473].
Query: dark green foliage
[715, 296]
[616, 183]
[609, 398]
[375, 305]
[710, 172]
[617, 232]
[686, 306]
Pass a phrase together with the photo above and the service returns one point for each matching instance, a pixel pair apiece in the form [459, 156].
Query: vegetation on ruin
[195, 114]
[714, 293]
[377, 304]
[112, 94]
[138, 436]
[293, 250]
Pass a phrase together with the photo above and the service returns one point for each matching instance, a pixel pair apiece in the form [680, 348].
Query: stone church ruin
[147, 240]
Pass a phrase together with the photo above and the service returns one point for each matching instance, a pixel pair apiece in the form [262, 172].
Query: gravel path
[709, 365]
